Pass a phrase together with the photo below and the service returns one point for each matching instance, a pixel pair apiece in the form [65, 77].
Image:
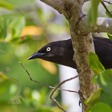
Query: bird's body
[103, 48]
[61, 52]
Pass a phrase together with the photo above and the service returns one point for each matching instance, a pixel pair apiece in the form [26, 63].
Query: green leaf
[15, 28]
[110, 36]
[105, 81]
[6, 5]
[101, 107]
[106, 98]
[5, 91]
[95, 63]
[93, 98]
[93, 12]
[108, 14]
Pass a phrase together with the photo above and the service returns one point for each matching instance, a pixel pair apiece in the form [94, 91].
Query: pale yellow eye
[48, 49]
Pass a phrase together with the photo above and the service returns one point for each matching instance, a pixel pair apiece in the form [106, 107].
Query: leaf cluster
[101, 99]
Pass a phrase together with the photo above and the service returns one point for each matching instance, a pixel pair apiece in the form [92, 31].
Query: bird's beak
[36, 55]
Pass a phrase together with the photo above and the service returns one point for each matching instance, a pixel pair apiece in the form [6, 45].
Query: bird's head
[60, 52]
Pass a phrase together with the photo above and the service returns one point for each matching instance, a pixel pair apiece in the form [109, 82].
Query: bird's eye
[48, 49]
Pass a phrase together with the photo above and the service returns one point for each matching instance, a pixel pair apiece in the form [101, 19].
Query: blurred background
[25, 26]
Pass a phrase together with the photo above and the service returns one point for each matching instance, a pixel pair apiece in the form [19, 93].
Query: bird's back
[103, 48]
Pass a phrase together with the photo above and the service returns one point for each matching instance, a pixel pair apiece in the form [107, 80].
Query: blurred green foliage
[101, 99]
[94, 11]
[15, 99]
[17, 92]
[17, 43]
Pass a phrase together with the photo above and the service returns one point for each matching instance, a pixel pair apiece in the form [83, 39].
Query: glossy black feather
[61, 52]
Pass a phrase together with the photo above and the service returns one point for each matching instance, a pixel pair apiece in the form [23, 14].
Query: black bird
[61, 52]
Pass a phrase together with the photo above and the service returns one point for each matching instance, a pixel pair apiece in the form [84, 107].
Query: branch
[57, 87]
[54, 88]
[60, 84]
[107, 10]
[109, 2]
[56, 4]
[103, 25]
[43, 84]
[72, 10]
[66, 7]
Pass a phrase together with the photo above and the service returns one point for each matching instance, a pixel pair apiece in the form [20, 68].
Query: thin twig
[107, 10]
[109, 2]
[43, 84]
[54, 88]
[58, 86]
[51, 87]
